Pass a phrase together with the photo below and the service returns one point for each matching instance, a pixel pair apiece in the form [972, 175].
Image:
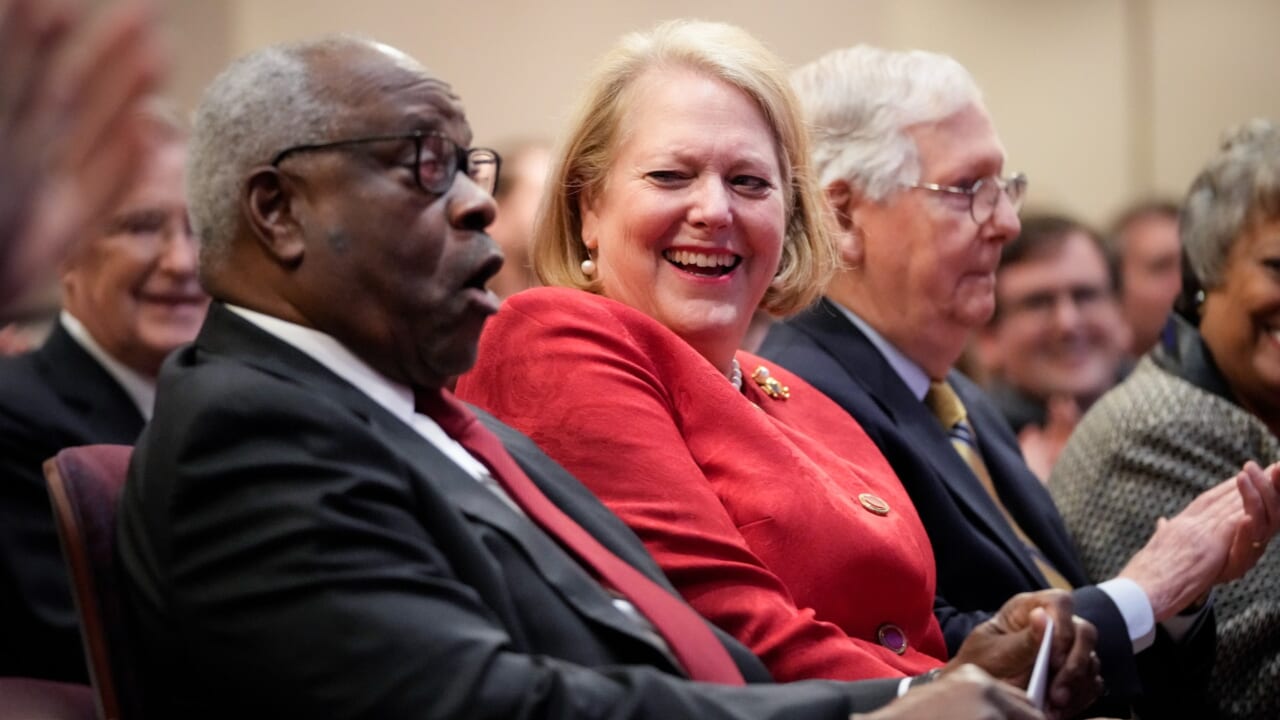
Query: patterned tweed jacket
[1144, 451]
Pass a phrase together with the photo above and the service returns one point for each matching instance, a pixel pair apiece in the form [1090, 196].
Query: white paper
[1038, 686]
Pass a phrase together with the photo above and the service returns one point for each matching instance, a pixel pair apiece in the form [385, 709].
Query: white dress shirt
[397, 399]
[140, 388]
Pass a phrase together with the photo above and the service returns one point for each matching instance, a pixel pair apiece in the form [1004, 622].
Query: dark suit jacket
[55, 397]
[981, 562]
[294, 550]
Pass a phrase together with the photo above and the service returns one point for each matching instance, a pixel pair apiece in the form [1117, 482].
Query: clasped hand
[1006, 647]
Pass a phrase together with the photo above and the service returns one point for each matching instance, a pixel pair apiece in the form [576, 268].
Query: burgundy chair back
[31, 699]
[84, 485]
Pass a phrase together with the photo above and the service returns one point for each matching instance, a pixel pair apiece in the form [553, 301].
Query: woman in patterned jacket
[1197, 409]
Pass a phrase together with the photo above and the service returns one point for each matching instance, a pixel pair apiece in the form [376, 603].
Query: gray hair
[1240, 185]
[859, 102]
[261, 104]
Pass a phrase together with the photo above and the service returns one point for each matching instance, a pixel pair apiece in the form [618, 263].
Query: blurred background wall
[1099, 101]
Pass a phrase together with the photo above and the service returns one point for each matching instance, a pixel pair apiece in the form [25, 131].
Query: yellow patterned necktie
[950, 412]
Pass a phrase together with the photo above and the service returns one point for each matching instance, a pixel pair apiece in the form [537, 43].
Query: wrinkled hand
[1216, 538]
[1041, 446]
[69, 131]
[1006, 647]
[966, 693]
[1260, 494]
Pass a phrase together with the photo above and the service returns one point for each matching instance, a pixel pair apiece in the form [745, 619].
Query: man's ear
[269, 208]
[843, 200]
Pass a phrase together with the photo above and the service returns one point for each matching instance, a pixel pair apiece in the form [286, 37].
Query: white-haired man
[914, 173]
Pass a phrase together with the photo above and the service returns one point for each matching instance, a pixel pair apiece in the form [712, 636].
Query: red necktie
[686, 633]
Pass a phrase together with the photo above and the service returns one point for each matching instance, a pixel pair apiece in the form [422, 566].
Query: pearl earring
[588, 267]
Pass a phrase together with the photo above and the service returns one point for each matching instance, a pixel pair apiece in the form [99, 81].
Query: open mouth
[705, 264]
[484, 273]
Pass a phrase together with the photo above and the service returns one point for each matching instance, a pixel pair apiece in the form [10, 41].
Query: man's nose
[469, 206]
[1004, 224]
[180, 252]
[1066, 312]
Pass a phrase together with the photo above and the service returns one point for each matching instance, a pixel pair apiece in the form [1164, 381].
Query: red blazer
[755, 516]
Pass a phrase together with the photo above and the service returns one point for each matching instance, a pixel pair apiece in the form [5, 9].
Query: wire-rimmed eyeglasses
[437, 159]
[984, 194]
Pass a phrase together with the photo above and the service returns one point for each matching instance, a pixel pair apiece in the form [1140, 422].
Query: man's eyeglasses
[1042, 304]
[437, 160]
[984, 194]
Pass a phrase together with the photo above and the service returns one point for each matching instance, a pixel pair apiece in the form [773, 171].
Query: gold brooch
[770, 384]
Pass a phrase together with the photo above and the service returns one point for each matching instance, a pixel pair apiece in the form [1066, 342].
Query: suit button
[892, 637]
[873, 504]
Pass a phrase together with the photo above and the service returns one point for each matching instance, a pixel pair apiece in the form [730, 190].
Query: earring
[588, 267]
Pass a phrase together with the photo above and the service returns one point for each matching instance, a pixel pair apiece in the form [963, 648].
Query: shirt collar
[324, 349]
[140, 388]
[914, 376]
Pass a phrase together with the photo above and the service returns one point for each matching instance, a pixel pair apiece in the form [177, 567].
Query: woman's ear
[270, 212]
[590, 221]
[843, 199]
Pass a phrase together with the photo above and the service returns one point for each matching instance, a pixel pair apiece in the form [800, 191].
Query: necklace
[735, 377]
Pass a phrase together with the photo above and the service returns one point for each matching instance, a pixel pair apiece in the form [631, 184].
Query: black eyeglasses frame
[463, 158]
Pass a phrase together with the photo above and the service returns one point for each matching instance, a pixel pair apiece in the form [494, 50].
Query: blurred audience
[130, 297]
[915, 176]
[1191, 412]
[1056, 341]
[69, 137]
[1145, 254]
[313, 527]
[524, 175]
[682, 204]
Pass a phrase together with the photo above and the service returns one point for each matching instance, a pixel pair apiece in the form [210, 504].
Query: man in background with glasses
[1057, 340]
[915, 176]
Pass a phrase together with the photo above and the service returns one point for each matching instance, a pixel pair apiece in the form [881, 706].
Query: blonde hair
[720, 51]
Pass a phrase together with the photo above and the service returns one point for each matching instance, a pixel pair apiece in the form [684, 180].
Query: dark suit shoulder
[26, 400]
[59, 395]
[792, 348]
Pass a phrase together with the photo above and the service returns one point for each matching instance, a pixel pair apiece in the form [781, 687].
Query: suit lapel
[481, 504]
[1022, 492]
[870, 370]
[86, 387]
[226, 332]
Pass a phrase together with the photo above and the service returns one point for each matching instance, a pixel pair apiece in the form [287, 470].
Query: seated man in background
[1056, 342]
[914, 173]
[313, 527]
[1146, 256]
[130, 296]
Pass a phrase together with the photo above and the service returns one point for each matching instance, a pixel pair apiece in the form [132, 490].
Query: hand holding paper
[1039, 629]
[1039, 683]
